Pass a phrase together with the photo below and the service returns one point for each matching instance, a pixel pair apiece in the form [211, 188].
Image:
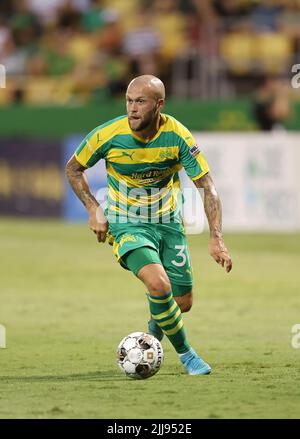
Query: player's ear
[160, 103]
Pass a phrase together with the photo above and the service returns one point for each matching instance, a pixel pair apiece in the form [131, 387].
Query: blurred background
[228, 69]
[231, 69]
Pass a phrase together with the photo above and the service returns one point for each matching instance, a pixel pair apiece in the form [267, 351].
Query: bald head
[145, 97]
[148, 84]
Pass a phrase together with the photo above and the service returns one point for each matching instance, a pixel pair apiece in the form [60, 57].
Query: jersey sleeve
[192, 158]
[90, 150]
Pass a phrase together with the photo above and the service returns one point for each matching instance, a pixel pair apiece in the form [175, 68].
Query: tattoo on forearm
[212, 205]
[213, 210]
[77, 179]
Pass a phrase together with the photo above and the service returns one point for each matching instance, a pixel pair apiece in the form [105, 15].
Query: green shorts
[168, 241]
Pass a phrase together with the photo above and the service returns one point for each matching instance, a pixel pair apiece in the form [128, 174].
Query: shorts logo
[194, 150]
[127, 238]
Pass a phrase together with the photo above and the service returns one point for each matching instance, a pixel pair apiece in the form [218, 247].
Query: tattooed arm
[97, 221]
[213, 210]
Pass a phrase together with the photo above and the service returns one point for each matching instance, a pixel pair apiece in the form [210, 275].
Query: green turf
[66, 304]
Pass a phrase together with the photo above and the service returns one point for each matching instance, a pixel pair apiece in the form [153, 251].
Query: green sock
[167, 314]
[155, 329]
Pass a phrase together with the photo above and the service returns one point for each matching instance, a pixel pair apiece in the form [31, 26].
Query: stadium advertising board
[256, 176]
[31, 178]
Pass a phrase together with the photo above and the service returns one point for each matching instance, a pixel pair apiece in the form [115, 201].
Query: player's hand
[98, 223]
[219, 252]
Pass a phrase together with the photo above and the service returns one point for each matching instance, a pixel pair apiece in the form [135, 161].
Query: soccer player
[144, 150]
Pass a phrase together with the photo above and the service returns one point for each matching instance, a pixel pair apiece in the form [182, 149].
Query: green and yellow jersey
[143, 181]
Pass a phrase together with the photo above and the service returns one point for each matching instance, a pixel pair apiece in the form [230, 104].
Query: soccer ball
[140, 355]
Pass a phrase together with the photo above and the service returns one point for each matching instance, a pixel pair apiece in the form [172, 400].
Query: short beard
[143, 125]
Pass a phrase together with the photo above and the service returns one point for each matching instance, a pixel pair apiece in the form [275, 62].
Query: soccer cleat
[155, 330]
[193, 364]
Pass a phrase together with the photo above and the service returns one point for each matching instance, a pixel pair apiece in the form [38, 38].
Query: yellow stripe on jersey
[204, 166]
[142, 164]
[143, 155]
[171, 203]
[142, 200]
[174, 125]
[140, 182]
[168, 206]
[99, 137]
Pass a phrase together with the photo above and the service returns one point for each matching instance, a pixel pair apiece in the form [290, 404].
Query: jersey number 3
[180, 254]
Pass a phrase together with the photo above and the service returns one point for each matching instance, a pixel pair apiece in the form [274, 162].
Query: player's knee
[159, 284]
[185, 302]
[155, 279]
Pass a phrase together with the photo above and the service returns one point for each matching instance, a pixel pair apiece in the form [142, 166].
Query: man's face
[142, 108]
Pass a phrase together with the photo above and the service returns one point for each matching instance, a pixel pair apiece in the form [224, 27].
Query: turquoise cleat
[155, 330]
[193, 364]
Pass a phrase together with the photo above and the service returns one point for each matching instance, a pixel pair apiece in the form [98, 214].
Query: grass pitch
[66, 304]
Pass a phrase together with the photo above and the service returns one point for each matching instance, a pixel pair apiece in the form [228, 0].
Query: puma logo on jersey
[127, 154]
